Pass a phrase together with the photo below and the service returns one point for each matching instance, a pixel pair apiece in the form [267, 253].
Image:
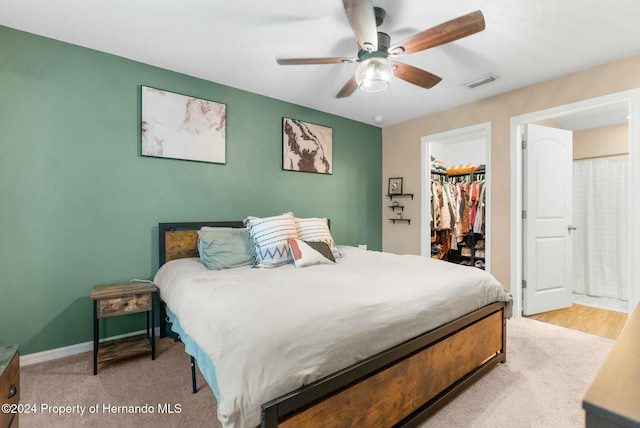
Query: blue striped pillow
[270, 236]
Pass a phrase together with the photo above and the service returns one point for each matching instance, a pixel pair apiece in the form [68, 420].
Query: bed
[377, 367]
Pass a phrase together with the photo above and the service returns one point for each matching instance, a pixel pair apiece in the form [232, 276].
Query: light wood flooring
[601, 322]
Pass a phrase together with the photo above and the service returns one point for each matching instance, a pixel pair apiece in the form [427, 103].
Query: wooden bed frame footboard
[398, 387]
[403, 385]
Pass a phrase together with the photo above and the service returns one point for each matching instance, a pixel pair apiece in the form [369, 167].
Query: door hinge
[524, 144]
[524, 283]
[524, 214]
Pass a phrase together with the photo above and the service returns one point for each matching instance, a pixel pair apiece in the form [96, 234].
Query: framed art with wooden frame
[306, 147]
[395, 186]
[177, 126]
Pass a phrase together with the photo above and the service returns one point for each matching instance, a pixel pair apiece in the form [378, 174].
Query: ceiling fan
[375, 70]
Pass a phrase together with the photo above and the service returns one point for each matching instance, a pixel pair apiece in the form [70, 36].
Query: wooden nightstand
[121, 299]
[9, 384]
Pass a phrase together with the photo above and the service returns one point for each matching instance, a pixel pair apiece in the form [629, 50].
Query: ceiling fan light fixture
[374, 74]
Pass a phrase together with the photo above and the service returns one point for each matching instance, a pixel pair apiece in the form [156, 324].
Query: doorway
[630, 100]
[456, 146]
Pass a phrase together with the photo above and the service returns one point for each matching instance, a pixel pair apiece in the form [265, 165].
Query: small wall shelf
[397, 210]
[408, 220]
[400, 195]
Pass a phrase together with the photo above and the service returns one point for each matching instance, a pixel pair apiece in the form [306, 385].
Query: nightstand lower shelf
[124, 348]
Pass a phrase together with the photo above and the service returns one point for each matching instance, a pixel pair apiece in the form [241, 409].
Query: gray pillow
[225, 247]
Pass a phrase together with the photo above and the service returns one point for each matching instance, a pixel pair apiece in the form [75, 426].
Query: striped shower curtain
[601, 215]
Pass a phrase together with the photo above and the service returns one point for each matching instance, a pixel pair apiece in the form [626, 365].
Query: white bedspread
[270, 331]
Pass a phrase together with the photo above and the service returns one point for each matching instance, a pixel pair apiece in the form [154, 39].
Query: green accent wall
[79, 205]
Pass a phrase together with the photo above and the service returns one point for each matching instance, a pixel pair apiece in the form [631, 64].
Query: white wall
[402, 149]
[465, 152]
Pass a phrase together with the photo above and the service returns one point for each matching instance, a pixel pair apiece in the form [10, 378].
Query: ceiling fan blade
[348, 89]
[441, 34]
[415, 75]
[307, 61]
[362, 19]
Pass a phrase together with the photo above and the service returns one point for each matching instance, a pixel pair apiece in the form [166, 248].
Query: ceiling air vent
[487, 78]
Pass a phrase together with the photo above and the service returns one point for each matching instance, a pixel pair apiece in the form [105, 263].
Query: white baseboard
[67, 351]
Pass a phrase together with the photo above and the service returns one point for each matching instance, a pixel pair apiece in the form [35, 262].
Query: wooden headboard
[180, 240]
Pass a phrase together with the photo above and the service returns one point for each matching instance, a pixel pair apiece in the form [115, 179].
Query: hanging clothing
[455, 218]
[436, 204]
[466, 215]
[458, 207]
[458, 216]
[478, 225]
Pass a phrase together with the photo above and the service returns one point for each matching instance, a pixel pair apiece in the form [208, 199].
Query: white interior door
[548, 199]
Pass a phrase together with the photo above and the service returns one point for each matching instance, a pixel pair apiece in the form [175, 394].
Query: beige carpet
[138, 381]
[549, 369]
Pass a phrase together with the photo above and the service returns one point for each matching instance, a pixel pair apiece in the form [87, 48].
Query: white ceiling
[236, 43]
[612, 114]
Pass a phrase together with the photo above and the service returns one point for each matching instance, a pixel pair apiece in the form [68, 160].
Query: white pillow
[316, 229]
[270, 235]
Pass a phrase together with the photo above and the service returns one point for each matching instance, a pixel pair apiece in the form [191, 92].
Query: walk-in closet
[458, 202]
